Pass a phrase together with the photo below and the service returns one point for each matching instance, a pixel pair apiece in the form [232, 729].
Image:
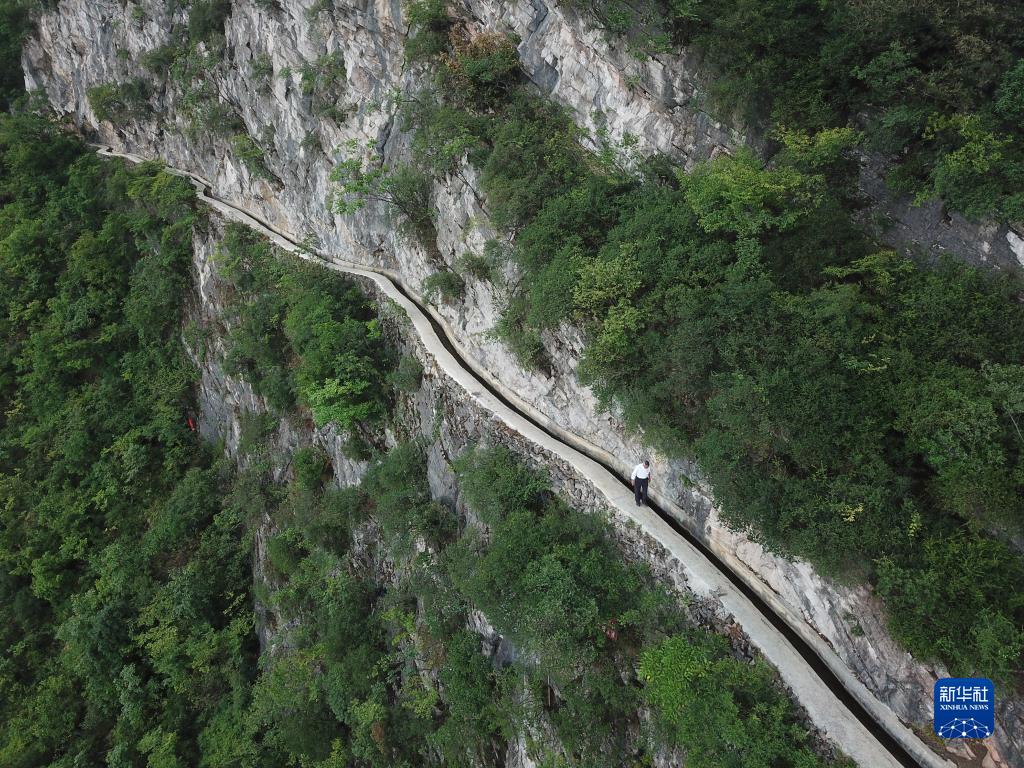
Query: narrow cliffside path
[837, 703]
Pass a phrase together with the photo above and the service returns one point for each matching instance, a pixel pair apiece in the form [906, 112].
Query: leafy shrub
[159, 61]
[336, 513]
[1009, 103]
[254, 430]
[310, 465]
[473, 718]
[120, 102]
[251, 154]
[444, 285]
[402, 504]
[262, 67]
[522, 340]
[406, 377]
[206, 19]
[617, 18]
[257, 351]
[719, 709]
[931, 90]
[478, 266]
[960, 602]
[601, 284]
[444, 135]
[535, 156]
[405, 187]
[311, 142]
[323, 82]
[549, 577]
[617, 341]
[199, 100]
[285, 551]
[552, 299]
[429, 23]
[345, 400]
[736, 194]
[217, 118]
[977, 167]
[303, 332]
[289, 706]
[496, 482]
[408, 189]
[482, 70]
[357, 448]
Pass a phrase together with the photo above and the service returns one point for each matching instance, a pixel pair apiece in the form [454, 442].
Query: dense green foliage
[935, 85]
[120, 102]
[331, 693]
[14, 26]
[551, 580]
[125, 631]
[725, 712]
[407, 375]
[378, 670]
[127, 625]
[301, 333]
[206, 19]
[846, 405]
[198, 99]
[429, 23]
[444, 285]
[126, 602]
[246, 149]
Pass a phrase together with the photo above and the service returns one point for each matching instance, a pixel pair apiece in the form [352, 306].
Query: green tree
[721, 711]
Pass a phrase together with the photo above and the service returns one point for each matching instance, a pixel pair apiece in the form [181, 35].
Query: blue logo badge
[965, 708]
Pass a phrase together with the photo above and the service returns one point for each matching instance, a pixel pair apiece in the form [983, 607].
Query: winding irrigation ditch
[836, 701]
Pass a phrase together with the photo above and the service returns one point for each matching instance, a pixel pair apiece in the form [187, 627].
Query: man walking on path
[640, 477]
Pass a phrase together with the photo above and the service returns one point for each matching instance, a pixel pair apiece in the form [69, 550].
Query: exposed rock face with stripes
[82, 43]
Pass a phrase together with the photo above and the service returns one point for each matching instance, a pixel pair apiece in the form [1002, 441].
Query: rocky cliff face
[228, 404]
[84, 43]
[440, 416]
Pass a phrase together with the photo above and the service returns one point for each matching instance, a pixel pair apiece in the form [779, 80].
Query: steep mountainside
[267, 112]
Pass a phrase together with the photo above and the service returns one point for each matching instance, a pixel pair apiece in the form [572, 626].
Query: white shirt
[641, 472]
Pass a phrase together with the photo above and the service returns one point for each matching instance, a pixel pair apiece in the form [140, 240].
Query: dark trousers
[640, 489]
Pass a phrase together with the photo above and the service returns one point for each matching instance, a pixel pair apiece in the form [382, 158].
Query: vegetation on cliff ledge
[123, 619]
[936, 86]
[847, 404]
[127, 600]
